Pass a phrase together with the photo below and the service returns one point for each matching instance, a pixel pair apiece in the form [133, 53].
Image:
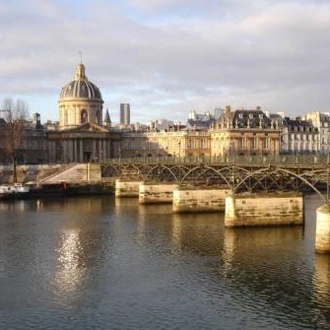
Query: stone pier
[127, 188]
[322, 235]
[156, 193]
[199, 200]
[264, 209]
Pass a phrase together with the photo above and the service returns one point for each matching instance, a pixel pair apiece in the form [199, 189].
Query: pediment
[88, 127]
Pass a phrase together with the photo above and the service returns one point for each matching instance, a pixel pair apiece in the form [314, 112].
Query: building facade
[321, 121]
[30, 145]
[244, 133]
[299, 137]
[176, 143]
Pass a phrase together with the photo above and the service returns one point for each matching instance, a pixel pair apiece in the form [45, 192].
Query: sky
[169, 57]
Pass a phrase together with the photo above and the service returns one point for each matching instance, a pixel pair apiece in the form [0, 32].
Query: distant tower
[107, 120]
[125, 114]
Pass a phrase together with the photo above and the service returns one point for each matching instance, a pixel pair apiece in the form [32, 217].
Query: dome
[80, 87]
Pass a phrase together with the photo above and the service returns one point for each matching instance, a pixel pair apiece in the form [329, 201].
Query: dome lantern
[80, 72]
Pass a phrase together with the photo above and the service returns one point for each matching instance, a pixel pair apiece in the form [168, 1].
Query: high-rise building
[125, 115]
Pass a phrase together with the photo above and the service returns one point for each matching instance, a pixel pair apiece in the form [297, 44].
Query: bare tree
[16, 115]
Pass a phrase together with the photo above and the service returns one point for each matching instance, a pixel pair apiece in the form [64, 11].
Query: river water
[106, 263]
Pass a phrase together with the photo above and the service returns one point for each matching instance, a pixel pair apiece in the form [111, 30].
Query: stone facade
[244, 133]
[321, 122]
[165, 144]
[85, 143]
[299, 137]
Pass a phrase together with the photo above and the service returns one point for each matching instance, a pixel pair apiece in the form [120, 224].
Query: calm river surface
[102, 263]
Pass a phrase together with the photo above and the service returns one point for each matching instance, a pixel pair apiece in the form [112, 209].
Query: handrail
[303, 160]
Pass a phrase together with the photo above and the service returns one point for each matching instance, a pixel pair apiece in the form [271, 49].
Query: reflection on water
[105, 263]
[69, 274]
[321, 289]
[198, 233]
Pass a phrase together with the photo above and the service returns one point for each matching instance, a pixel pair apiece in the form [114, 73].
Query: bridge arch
[268, 173]
[170, 173]
[226, 174]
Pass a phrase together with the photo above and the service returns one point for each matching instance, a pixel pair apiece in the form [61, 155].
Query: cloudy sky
[168, 57]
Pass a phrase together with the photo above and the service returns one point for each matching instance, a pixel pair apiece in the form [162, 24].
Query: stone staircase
[77, 173]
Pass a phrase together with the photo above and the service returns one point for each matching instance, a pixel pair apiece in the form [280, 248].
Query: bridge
[238, 173]
[250, 190]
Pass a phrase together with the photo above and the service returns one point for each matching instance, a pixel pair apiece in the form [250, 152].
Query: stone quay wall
[26, 173]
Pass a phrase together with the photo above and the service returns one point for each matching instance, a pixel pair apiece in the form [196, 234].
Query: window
[240, 143]
[83, 116]
[254, 143]
[97, 118]
[266, 143]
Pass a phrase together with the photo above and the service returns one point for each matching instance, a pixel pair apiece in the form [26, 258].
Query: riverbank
[61, 189]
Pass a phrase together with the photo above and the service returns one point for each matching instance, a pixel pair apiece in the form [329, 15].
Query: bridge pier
[264, 209]
[156, 193]
[199, 200]
[127, 188]
[322, 235]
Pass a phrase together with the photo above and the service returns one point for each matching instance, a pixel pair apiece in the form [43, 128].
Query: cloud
[169, 56]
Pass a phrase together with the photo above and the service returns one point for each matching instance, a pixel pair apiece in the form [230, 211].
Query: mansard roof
[299, 125]
[245, 119]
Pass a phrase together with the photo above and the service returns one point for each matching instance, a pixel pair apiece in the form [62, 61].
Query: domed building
[80, 101]
[81, 135]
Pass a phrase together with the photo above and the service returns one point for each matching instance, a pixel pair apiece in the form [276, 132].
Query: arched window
[83, 116]
[97, 118]
[65, 117]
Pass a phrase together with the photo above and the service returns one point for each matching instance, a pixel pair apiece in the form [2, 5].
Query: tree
[16, 115]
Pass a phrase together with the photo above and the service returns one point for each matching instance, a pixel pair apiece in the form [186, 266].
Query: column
[100, 151]
[81, 155]
[94, 149]
[65, 153]
[75, 150]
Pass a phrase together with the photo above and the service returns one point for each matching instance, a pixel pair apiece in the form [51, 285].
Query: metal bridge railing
[233, 159]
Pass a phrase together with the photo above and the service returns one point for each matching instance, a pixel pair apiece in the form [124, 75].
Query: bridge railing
[233, 159]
